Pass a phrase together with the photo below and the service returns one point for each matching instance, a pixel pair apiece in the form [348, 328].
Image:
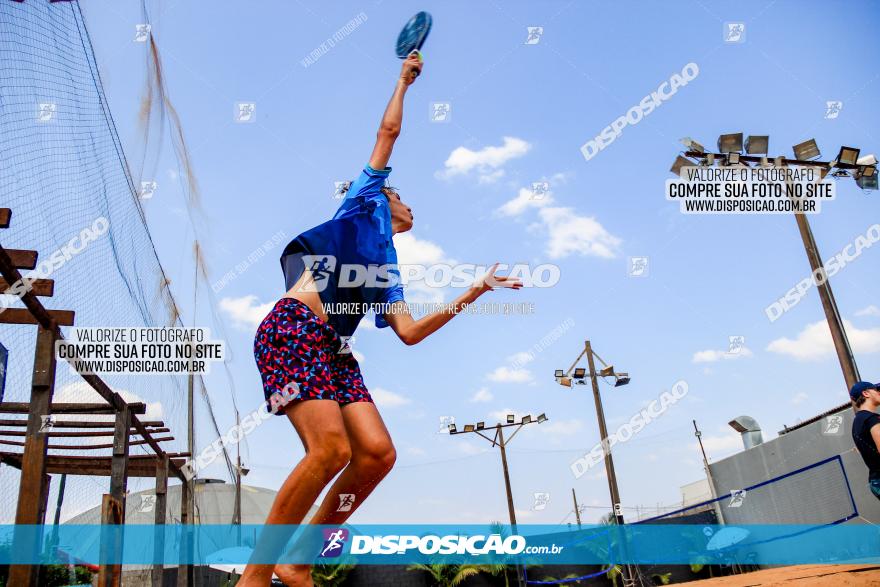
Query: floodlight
[679, 163]
[692, 145]
[510, 418]
[867, 171]
[468, 427]
[622, 379]
[732, 143]
[542, 418]
[579, 373]
[765, 162]
[526, 420]
[559, 373]
[867, 182]
[565, 381]
[848, 155]
[757, 144]
[806, 151]
[481, 425]
[779, 161]
[452, 428]
[607, 371]
[868, 159]
[708, 160]
[732, 159]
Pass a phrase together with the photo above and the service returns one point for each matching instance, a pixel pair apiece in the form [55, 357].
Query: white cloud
[521, 358]
[524, 200]
[507, 375]
[717, 446]
[501, 415]
[570, 233]
[368, 322]
[562, 427]
[871, 310]
[246, 312]
[488, 162]
[415, 451]
[412, 250]
[388, 399]
[482, 395]
[470, 448]
[799, 398]
[711, 356]
[80, 392]
[814, 341]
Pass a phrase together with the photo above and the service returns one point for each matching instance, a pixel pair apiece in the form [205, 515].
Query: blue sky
[520, 113]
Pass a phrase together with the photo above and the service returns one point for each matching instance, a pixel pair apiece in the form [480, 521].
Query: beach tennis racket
[413, 35]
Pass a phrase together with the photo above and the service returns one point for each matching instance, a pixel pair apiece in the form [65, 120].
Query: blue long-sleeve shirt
[356, 239]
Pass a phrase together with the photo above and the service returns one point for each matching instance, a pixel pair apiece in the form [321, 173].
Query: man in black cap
[866, 429]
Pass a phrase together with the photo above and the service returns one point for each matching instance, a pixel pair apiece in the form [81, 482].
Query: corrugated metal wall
[818, 495]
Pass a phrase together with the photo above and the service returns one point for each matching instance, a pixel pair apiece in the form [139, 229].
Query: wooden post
[112, 513]
[184, 569]
[31, 508]
[113, 506]
[161, 509]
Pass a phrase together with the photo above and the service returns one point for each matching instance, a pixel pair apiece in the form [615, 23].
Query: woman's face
[401, 214]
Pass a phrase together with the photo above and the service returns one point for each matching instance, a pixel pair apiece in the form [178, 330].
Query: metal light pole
[501, 442]
[564, 378]
[864, 170]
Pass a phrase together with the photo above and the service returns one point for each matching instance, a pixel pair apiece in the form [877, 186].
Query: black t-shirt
[861, 432]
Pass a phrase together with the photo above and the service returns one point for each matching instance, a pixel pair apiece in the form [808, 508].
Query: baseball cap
[856, 390]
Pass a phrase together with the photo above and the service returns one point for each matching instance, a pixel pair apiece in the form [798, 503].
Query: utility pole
[501, 442]
[709, 478]
[577, 511]
[510, 509]
[829, 305]
[627, 574]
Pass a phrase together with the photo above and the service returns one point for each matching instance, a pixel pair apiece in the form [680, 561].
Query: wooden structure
[38, 433]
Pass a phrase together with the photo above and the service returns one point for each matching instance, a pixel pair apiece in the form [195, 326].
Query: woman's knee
[333, 453]
[379, 456]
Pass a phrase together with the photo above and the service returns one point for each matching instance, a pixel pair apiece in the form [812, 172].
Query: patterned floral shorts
[300, 357]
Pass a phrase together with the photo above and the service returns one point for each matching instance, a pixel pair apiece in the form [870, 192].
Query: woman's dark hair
[859, 400]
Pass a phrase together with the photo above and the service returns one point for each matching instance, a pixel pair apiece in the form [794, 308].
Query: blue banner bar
[453, 544]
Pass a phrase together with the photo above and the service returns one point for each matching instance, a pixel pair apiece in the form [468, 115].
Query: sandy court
[802, 575]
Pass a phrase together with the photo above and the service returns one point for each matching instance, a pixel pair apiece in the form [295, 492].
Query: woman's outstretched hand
[492, 280]
[412, 67]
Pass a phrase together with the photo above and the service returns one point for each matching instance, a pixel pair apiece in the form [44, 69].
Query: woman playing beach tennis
[301, 344]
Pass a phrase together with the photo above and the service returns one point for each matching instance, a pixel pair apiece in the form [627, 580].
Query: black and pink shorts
[300, 357]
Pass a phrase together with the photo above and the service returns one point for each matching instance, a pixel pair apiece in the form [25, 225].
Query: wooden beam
[23, 259]
[138, 465]
[23, 316]
[87, 446]
[81, 434]
[72, 408]
[32, 483]
[39, 287]
[5, 217]
[149, 424]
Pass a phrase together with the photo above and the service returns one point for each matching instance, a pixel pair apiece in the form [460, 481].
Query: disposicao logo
[334, 542]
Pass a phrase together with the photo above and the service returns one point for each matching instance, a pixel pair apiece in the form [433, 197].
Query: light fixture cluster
[733, 150]
[511, 421]
[580, 376]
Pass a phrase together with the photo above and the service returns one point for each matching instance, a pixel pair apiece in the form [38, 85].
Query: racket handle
[421, 60]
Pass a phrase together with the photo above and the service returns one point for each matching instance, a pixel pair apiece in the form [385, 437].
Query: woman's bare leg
[322, 430]
[372, 457]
